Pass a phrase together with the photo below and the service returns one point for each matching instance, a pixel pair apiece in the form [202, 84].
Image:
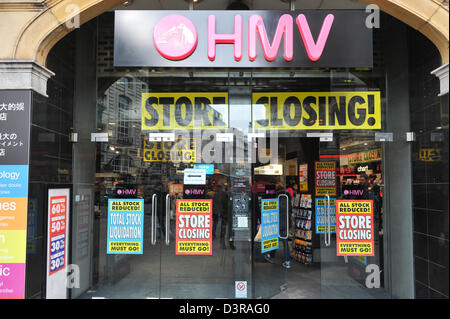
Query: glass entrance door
[351, 217]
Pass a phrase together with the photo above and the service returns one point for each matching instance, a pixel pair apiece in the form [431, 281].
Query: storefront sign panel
[242, 39]
[317, 110]
[355, 229]
[193, 227]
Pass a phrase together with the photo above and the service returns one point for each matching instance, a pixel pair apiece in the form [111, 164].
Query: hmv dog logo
[175, 37]
[126, 192]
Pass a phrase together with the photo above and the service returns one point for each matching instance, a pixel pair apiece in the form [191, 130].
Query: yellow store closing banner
[317, 110]
[181, 110]
[182, 150]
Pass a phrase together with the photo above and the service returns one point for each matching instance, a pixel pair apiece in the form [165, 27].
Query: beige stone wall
[30, 28]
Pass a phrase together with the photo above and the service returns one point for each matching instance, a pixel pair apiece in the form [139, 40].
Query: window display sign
[366, 156]
[175, 189]
[209, 168]
[125, 233]
[321, 215]
[317, 110]
[303, 177]
[355, 230]
[178, 111]
[57, 242]
[269, 225]
[194, 227]
[182, 150]
[325, 178]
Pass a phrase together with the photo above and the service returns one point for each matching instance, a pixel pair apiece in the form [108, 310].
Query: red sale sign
[57, 240]
[194, 227]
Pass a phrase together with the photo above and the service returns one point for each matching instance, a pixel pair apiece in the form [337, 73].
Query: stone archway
[46, 27]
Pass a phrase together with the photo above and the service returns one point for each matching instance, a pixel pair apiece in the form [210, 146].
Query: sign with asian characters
[355, 230]
[193, 227]
[317, 110]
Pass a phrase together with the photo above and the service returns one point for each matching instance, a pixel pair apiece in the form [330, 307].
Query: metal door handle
[167, 219]
[328, 233]
[153, 229]
[287, 215]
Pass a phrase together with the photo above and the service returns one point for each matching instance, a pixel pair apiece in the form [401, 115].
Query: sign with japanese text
[15, 111]
[15, 108]
[125, 233]
[317, 110]
[325, 178]
[57, 242]
[270, 216]
[355, 230]
[193, 227]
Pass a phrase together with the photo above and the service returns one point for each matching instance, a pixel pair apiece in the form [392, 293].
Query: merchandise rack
[303, 217]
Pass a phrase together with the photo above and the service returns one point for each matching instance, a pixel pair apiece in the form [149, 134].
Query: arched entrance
[53, 22]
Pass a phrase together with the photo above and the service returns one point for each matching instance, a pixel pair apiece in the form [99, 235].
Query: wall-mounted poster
[303, 177]
[325, 178]
[355, 231]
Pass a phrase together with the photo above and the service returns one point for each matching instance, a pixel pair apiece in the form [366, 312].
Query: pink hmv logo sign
[175, 37]
[307, 38]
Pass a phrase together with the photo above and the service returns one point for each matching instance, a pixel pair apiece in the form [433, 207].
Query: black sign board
[242, 39]
[15, 108]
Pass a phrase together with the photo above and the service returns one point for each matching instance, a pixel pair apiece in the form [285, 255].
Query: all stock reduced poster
[354, 229]
[269, 225]
[125, 226]
[194, 227]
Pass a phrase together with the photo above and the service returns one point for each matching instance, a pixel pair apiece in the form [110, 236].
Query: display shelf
[302, 213]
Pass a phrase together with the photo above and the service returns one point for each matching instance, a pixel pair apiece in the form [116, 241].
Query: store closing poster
[355, 231]
[269, 225]
[125, 226]
[325, 178]
[194, 227]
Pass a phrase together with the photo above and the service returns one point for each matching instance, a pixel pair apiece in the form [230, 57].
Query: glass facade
[220, 252]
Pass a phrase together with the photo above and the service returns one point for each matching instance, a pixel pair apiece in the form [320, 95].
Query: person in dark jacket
[220, 211]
